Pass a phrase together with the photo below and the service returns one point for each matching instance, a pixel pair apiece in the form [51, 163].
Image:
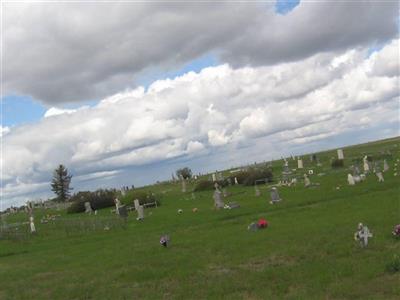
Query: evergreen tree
[60, 183]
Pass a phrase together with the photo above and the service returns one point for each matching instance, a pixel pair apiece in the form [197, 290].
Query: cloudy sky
[127, 93]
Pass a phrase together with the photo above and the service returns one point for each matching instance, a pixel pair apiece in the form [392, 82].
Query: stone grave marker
[299, 163]
[257, 191]
[362, 235]
[350, 179]
[32, 224]
[218, 202]
[274, 195]
[385, 166]
[340, 154]
[307, 181]
[123, 211]
[88, 208]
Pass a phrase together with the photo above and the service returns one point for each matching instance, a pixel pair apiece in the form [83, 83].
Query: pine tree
[60, 183]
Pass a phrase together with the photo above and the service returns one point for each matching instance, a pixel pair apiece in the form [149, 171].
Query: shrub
[205, 185]
[250, 176]
[337, 163]
[394, 265]
[184, 172]
[98, 199]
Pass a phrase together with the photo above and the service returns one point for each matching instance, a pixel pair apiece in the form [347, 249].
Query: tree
[185, 173]
[60, 183]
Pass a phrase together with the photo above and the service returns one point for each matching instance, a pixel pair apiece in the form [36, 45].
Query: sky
[126, 93]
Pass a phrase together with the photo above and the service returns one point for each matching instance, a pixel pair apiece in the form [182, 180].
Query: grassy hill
[307, 252]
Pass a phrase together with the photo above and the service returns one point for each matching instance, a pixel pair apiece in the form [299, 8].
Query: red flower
[262, 223]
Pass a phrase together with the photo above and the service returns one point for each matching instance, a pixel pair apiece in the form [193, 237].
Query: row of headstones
[356, 177]
[120, 209]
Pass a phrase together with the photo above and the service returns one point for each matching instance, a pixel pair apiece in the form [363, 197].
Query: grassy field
[307, 252]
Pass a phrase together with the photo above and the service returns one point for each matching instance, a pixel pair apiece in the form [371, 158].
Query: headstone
[385, 166]
[218, 202]
[225, 192]
[350, 179]
[380, 176]
[117, 205]
[183, 185]
[299, 164]
[340, 154]
[32, 224]
[88, 208]
[140, 213]
[307, 181]
[366, 165]
[274, 195]
[252, 227]
[357, 178]
[214, 177]
[122, 211]
[362, 235]
[236, 181]
[257, 190]
[136, 203]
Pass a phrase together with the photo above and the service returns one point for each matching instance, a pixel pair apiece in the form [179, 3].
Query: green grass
[308, 251]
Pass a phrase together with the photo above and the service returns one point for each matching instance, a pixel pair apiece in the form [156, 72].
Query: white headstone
[307, 181]
[88, 208]
[32, 224]
[117, 205]
[257, 190]
[183, 185]
[366, 166]
[385, 166]
[340, 154]
[362, 235]
[236, 181]
[380, 176]
[136, 203]
[140, 212]
[350, 179]
[214, 177]
[299, 164]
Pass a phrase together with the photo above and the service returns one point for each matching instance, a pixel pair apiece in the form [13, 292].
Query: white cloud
[198, 114]
[4, 130]
[98, 50]
[53, 111]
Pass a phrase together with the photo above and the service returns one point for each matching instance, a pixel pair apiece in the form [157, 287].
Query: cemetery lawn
[307, 252]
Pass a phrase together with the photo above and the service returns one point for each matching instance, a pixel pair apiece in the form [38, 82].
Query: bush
[184, 172]
[142, 196]
[98, 199]
[394, 265]
[337, 163]
[205, 185]
[250, 176]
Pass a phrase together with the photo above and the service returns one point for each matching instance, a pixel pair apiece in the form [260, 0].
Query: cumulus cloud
[4, 130]
[198, 114]
[99, 49]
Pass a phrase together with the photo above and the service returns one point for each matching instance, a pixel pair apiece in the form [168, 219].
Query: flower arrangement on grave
[396, 231]
[262, 223]
[164, 240]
